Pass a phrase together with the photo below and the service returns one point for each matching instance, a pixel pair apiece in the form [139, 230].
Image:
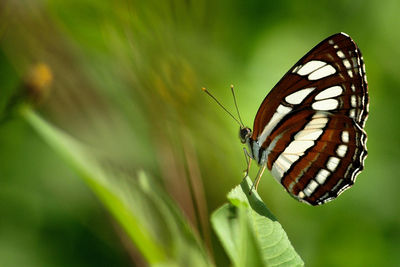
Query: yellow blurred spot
[40, 76]
[38, 82]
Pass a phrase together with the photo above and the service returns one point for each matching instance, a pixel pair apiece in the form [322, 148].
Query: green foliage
[146, 213]
[249, 232]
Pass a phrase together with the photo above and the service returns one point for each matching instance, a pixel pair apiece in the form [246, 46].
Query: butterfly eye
[244, 134]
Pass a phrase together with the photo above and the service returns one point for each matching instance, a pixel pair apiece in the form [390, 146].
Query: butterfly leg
[248, 161]
[257, 180]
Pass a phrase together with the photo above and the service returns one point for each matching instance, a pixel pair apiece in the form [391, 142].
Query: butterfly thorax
[256, 152]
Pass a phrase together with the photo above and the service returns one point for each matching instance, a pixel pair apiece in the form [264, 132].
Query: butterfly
[309, 130]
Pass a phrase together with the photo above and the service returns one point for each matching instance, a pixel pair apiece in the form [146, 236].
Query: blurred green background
[126, 82]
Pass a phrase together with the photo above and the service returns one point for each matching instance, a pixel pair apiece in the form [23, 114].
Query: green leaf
[250, 234]
[150, 218]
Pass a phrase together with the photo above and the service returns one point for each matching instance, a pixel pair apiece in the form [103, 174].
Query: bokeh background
[126, 82]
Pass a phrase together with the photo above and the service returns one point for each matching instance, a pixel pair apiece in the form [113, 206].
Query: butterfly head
[244, 134]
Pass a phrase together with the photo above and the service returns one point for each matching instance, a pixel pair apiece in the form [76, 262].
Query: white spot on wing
[310, 66]
[298, 147]
[353, 88]
[329, 92]
[352, 113]
[332, 163]
[350, 73]
[282, 165]
[346, 64]
[345, 136]
[281, 112]
[312, 185]
[292, 158]
[308, 134]
[322, 73]
[341, 150]
[340, 54]
[301, 194]
[287, 160]
[327, 104]
[317, 122]
[336, 46]
[321, 176]
[331, 42]
[298, 97]
[296, 69]
[353, 100]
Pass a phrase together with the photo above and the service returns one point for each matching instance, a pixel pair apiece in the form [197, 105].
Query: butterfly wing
[311, 123]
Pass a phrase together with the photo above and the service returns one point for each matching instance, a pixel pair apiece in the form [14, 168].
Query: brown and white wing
[311, 123]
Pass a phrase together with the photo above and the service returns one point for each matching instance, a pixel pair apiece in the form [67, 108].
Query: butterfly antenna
[208, 93]
[237, 109]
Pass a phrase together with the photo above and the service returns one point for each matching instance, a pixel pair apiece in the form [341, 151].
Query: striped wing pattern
[309, 128]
